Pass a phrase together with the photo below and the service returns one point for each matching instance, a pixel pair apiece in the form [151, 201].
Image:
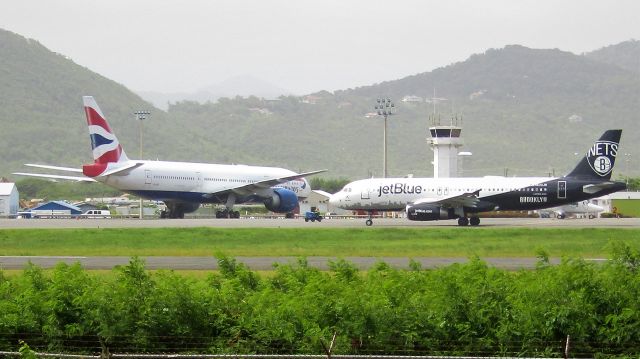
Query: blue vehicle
[312, 216]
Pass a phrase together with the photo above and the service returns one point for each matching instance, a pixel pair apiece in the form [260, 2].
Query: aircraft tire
[463, 221]
[474, 221]
[369, 223]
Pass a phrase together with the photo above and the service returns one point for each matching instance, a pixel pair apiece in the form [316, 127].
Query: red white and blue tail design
[104, 143]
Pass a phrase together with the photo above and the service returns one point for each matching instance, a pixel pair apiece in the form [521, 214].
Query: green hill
[41, 111]
[523, 109]
[625, 55]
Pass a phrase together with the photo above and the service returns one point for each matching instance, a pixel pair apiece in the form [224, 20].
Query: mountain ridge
[525, 112]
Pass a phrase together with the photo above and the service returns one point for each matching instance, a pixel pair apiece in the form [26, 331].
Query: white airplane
[582, 207]
[431, 199]
[182, 186]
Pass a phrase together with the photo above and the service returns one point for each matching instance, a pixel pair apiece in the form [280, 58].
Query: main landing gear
[474, 221]
[225, 213]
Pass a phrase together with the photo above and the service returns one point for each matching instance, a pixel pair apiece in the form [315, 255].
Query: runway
[300, 223]
[257, 263]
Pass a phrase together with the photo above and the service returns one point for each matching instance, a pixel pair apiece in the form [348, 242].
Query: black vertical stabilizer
[599, 160]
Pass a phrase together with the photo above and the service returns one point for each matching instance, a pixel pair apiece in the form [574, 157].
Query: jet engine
[429, 213]
[178, 209]
[281, 201]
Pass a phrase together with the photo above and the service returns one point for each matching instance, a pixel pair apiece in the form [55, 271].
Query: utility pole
[385, 108]
[141, 115]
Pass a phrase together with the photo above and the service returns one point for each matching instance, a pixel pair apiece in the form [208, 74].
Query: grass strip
[342, 242]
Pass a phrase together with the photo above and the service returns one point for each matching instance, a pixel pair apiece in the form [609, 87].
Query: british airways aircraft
[432, 199]
[182, 186]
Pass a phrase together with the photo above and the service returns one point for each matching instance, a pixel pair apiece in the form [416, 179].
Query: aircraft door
[199, 179]
[562, 189]
[364, 194]
[148, 176]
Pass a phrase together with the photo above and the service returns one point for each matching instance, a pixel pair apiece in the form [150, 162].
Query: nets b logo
[602, 156]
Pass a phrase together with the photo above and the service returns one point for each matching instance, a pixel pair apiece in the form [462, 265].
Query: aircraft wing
[71, 178]
[251, 188]
[469, 199]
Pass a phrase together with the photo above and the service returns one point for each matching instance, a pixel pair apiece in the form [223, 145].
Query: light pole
[627, 159]
[385, 108]
[141, 115]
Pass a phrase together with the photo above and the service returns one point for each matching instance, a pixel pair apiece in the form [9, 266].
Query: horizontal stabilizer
[122, 171]
[56, 177]
[595, 188]
[57, 168]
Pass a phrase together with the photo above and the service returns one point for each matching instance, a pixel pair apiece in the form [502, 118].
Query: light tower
[444, 142]
[385, 108]
[141, 115]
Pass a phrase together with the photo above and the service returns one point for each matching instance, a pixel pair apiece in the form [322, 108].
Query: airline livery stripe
[101, 150]
[101, 131]
[93, 118]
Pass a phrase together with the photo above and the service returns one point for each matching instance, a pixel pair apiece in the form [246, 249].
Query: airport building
[445, 142]
[9, 199]
[55, 209]
[319, 200]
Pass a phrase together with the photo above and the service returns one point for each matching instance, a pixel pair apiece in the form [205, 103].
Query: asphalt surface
[266, 263]
[300, 223]
[255, 263]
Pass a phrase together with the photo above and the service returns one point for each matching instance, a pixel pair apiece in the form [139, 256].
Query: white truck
[96, 213]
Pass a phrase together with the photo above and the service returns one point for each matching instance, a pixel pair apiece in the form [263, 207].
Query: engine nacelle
[282, 201]
[429, 213]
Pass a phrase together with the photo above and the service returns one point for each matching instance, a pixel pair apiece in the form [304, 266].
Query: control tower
[444, 142]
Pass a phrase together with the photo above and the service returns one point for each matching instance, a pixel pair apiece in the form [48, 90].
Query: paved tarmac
[256, 263]
[300, 223]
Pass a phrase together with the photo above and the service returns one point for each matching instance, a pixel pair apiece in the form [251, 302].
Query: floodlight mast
[141, 115]
[385, 108]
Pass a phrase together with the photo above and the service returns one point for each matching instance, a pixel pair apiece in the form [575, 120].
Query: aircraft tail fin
[600, 158]
[104, 143]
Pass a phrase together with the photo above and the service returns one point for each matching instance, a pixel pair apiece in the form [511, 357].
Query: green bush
[470, 309]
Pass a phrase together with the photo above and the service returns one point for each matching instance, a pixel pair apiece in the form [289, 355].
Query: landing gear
[369, 221]
[225, 213]
[464, 221]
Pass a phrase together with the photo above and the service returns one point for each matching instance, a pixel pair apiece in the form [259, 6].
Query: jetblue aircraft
[432, 199]
[182, 186]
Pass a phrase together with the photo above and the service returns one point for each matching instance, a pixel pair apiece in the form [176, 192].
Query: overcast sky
[304, 46]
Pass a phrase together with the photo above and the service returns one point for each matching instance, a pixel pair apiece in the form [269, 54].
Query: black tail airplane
[430, 199]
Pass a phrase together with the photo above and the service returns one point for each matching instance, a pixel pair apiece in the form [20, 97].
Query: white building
[8, 199]
[319, 200]
[445, 142]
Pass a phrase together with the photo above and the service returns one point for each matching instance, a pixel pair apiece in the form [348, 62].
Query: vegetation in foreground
[469, 309]
[371, 242]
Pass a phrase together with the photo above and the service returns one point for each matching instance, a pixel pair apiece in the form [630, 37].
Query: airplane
[432, 199]
[182, 186]
[582, 207]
